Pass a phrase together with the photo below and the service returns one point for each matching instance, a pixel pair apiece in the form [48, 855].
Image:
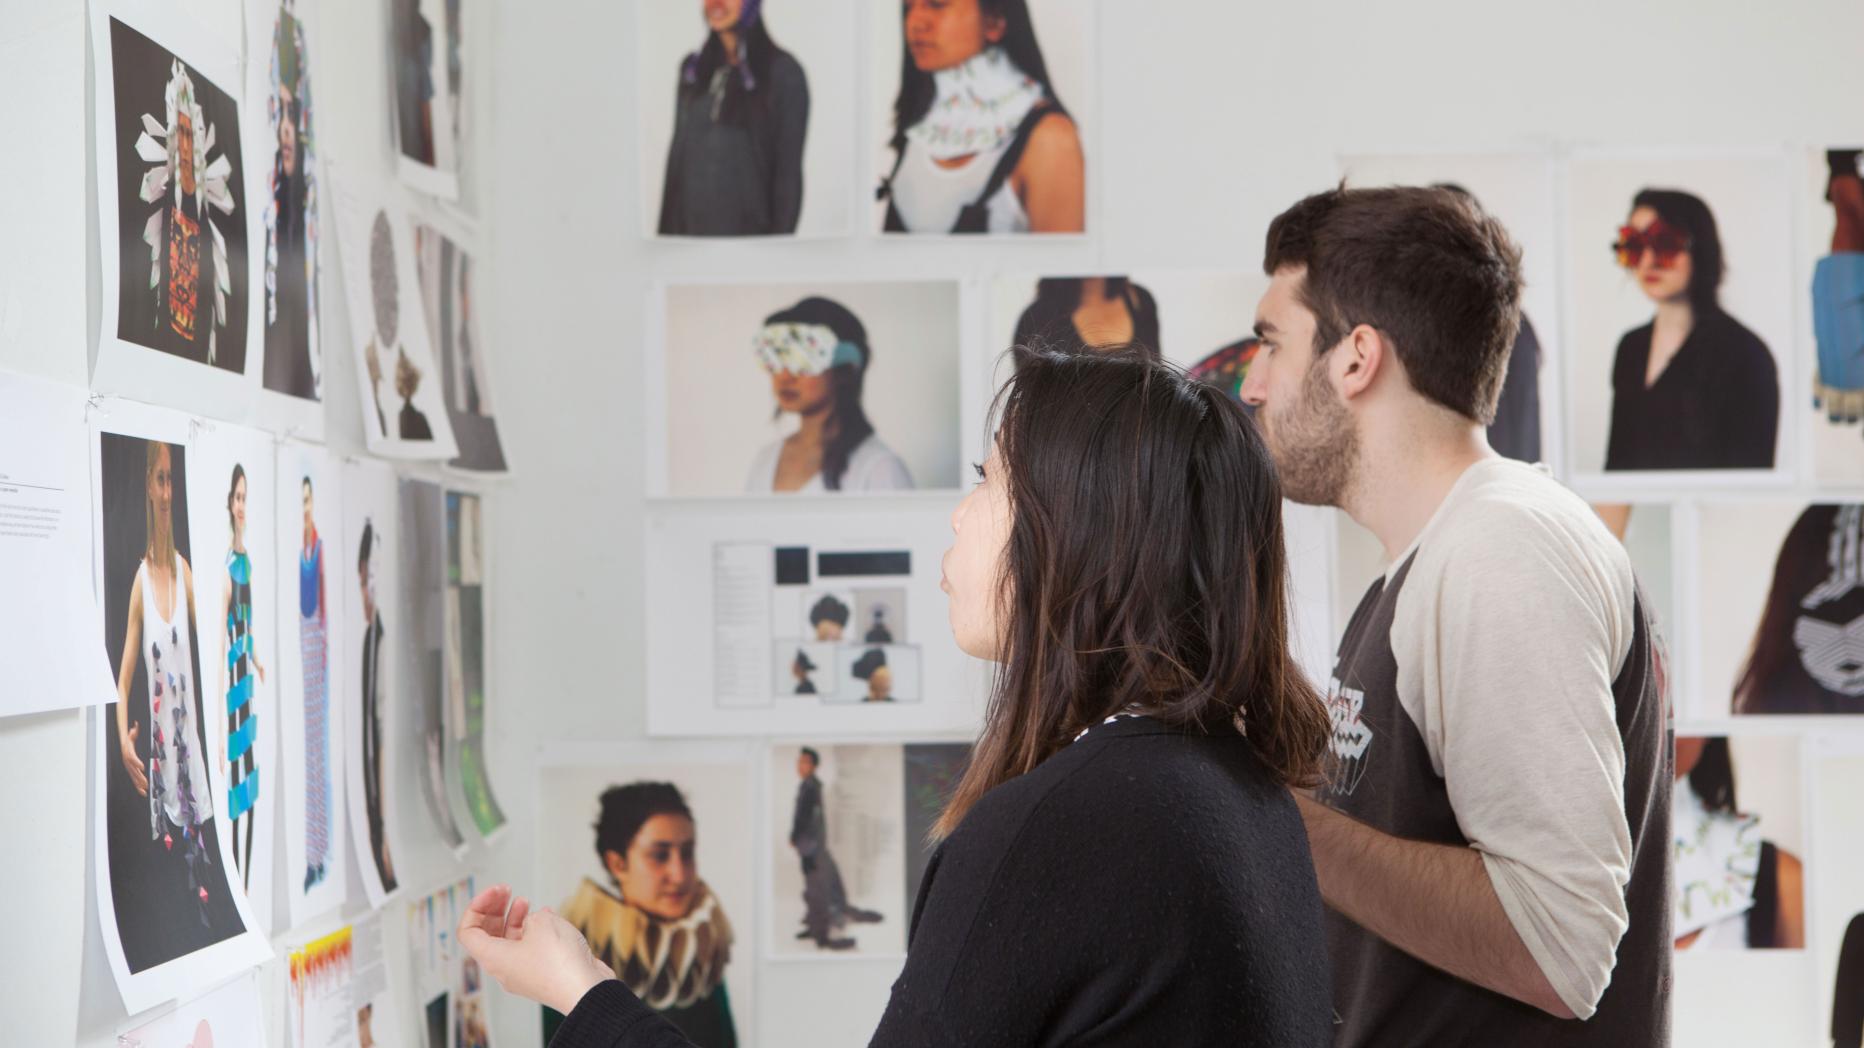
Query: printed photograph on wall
[1202, 321]
[1834, 253]
[1739, 840]
[403, 412]
[173, 212]
[1838, 893]
[449, 278]
[747, 116]
[984, 114]
[286, 185]
[172, 918]
[231, 502]
[428, 72]
[229, 1015]
[465, 656]
[311, 627]
[320, 976]
[1678, 282]
[422, 646]
[1518, 189]
[812, 389]
[448, 1006]
[1786, 634]
[374, 690]
[647, 850]
[761, 626]
[849, 844]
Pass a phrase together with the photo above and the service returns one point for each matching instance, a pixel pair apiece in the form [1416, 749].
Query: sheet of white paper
[45, 549]
[230, 1015]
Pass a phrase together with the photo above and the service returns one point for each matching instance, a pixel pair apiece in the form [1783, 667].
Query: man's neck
[1397, 489]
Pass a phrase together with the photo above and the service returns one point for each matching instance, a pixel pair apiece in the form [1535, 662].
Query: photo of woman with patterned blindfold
[817, 355]
[1808, 651]
[1694, 388]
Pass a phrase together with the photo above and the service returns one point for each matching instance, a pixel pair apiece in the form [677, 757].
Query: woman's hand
[536, 955]
[126, 742]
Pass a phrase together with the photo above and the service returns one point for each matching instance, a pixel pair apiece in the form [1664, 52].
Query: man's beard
[1313, 441]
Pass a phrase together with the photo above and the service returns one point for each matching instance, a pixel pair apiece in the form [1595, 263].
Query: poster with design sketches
[766, 623]
[427, 71]
[372, 686]
[449, 986]
[338, 990]
[172, 920]
[312, 632]
[452, 294]
[285, 184]
[849, 827]
[45, 544]
[403, 412]
[231, 503]
[173, 213]
[230, 1015]
[678, 934]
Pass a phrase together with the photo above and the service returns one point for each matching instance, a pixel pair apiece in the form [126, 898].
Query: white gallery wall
[1212, 116]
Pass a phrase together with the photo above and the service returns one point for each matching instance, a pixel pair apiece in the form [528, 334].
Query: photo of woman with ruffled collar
[980, 139]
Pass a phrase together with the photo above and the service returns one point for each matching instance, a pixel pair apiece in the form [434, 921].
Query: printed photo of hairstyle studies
[170, 888]
[735, 165]
[980, 141]
[1694, 388]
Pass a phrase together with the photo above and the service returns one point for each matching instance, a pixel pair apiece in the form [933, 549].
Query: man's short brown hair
[1434, 273]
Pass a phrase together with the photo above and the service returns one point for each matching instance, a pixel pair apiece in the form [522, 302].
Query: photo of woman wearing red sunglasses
[1694, 388]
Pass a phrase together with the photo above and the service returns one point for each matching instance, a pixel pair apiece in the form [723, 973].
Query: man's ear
[1358, 359]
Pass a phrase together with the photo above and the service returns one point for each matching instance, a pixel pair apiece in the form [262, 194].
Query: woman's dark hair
[864, 667]
[1774, 679]
[1050, 318]
[1713, 777]
[742, 87]
[1687, 212]
[1019, 42]
[625, 809]
[1848, 989]
[239, 474]
[1102, 454]
[363, 547]
[829, 609]
[847, 423]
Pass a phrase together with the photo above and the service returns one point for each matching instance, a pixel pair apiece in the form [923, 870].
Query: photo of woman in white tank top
[980, 141]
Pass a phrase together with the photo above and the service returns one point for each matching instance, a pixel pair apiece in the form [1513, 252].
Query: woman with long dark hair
[1692, 389]
[1734, 888]
[981, 143]
[1090, 313]
[741, 110]
[1122, 862]
[817, 355]
[1805, 657]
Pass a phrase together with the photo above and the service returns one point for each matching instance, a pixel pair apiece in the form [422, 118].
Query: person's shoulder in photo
[981, 141]
[817, 355]
[741, 115]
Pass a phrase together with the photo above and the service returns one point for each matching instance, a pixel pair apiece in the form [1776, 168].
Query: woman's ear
[615, 864]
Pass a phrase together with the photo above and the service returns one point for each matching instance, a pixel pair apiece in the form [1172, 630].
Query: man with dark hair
[1493, 841]
[825, 899]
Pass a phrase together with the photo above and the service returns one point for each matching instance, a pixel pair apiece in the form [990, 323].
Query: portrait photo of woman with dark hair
[741, 113]
[847, 389]
[1807, 653]
[1090, 313]
[1694, 388]
[1848, 988]
[1737, 887]
[1679, 318]
[289, 320]
[817, 355]
[980, 140]
[648, 853]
